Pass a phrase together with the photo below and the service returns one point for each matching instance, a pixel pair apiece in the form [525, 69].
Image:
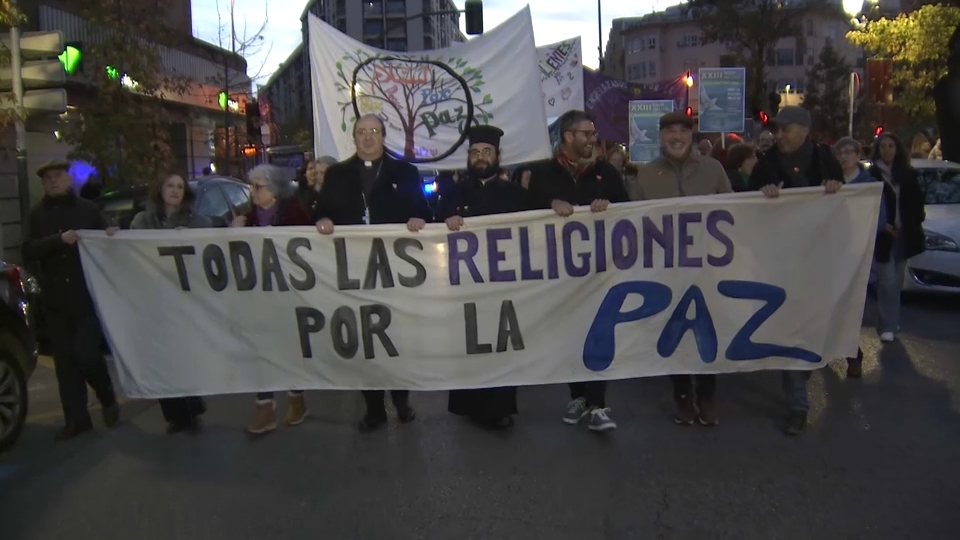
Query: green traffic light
[70, 59]
[112, 73]
[222, 100]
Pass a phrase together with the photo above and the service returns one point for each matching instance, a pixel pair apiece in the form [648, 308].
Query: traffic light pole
[23, 180]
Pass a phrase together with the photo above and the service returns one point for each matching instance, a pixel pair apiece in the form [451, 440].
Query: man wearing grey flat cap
[796, 162]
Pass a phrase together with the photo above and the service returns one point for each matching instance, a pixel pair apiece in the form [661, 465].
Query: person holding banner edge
[373, 187]
[273, 206]
[560, 183]
[482, 193]
[795, 161]
[679, 171]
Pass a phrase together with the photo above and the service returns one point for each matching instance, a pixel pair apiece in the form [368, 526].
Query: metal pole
[599, 35]
[852, 90]
[23, 181]
[226, 90]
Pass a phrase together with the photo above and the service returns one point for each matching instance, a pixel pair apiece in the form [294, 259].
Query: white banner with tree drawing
[561, 76]
[427, 99]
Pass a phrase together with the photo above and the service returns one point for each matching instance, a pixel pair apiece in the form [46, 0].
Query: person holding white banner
[681, 172]
[273, 206]
[482, 193]
[373, 187]
[796, 162]
[571, 178]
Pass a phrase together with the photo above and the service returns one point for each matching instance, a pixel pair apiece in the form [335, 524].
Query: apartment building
[387, 24]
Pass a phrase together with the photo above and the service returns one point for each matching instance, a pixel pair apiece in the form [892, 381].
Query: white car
[937, 270]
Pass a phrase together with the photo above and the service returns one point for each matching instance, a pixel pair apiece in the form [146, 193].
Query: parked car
[218, 197]
[18, 350]
[937, 270]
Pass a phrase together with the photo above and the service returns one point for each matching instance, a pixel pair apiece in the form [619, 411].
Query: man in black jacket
[796, 162]
[560, 183]
[369, 188]
[51, 249]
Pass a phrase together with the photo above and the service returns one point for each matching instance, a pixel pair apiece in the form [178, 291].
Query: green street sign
[70, 58]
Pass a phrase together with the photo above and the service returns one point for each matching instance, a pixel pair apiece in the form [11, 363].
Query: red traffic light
[763, 117]
[689, 111]
[877, 131]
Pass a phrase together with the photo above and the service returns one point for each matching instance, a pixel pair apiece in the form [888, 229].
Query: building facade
[668, 44]
[393, 25]
[197, 112]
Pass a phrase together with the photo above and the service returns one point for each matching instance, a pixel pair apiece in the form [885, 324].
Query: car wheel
[13, 390]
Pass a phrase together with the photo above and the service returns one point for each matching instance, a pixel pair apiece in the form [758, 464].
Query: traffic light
[72, 58]
[41, 73]
[878, 131]
[762, 116]
[689, 112]
[774, 98]
[473, 11]
[253, 121]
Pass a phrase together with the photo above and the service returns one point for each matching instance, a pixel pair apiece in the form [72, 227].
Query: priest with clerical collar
[483, 192]
[372, 187]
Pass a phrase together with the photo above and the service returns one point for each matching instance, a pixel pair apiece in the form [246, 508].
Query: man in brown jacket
[682, 172]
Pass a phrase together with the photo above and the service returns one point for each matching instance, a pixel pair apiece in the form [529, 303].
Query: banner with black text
[715, 284]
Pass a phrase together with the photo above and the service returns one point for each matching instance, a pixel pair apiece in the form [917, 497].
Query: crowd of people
[373, 187]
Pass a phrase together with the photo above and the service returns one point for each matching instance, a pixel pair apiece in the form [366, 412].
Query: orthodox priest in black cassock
[483, 193]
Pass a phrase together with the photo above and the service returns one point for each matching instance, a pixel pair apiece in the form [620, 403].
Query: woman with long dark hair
[902, 236]
[171, 207]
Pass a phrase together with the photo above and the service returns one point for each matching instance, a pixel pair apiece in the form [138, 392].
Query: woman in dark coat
[171, 207]
[273, 206]
[902, 236]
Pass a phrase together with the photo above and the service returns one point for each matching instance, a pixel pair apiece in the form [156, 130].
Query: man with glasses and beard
[482, 193]
[372, 188]
[560, 183]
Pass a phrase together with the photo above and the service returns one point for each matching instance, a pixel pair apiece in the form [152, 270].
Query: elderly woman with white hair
[273, 205]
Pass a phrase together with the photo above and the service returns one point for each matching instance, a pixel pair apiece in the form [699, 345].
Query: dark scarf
[796, 164]
[573, 166]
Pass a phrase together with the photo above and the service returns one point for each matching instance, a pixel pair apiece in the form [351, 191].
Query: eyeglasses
[486, 152]
[258, 187]
[590, 134]
[372, 131]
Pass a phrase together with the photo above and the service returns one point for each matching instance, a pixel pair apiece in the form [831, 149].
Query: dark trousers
[377, 409]
[264, 396]
[183, 410]
[75, 343]
[593, 392]
[683, 387]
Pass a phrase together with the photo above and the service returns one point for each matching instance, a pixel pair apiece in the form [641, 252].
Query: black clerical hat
[485, 134]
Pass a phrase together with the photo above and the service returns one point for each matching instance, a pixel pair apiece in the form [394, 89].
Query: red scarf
[574, 166]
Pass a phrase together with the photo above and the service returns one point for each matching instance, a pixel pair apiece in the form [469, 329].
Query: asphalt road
[880, 460]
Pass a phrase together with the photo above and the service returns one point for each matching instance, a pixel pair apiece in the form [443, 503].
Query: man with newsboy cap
[796, 162]
[50, 248]
[482, 192]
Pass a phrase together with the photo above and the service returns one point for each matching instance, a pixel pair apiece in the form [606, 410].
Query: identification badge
[366, 216]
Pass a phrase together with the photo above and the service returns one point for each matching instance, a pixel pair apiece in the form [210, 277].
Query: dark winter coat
[550, 181]
[152, 218]
[396, 197]
[289, 214]
[471, 197]
[768, 170]
[912, 215]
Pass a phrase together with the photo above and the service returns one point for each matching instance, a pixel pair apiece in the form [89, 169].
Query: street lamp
[688, 81]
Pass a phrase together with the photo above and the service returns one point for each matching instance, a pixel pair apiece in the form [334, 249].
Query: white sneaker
[887, 337]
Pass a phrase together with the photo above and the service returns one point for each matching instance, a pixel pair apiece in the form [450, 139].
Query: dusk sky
[553, 20]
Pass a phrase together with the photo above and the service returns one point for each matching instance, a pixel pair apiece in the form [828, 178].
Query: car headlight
[938, 242]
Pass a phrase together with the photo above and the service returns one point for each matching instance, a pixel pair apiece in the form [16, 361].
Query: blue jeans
[795, 389]
[889, 283]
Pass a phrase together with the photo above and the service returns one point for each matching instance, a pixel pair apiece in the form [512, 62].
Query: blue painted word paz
[600, 345]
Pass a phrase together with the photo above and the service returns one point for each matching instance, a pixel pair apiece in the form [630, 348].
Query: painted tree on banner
[417, 96]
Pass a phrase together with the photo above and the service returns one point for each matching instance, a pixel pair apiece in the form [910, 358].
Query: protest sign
[645, 128]
[722, 105]
[724, 283]
[561, 77]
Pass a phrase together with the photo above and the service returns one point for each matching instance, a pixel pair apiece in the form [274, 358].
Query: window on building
[810, 29]
[785, 57]
[372, 28]
[799, 56]
[652, 68]
[342, 25]
[398, 45]
[651, 43]
[428, 42]
[690, 40]
[374, 42]
[396, 7]
[341, 8]
[372, 8]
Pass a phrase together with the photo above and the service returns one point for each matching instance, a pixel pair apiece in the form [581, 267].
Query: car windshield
[940, 186]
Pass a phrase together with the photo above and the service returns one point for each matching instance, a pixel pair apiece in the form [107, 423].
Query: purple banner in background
[608, 100]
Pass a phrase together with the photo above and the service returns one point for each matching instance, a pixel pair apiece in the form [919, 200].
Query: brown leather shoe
[264, 418]
[296, 410]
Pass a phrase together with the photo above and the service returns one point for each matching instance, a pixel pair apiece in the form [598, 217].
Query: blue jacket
[864, 177]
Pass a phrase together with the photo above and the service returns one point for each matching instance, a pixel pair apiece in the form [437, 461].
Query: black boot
[73, 428]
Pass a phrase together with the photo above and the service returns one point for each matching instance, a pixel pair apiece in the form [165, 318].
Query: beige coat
[663, 179]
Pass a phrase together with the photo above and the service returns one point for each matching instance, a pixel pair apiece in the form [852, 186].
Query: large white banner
[427, 99]
[713, 284]
[561, 77]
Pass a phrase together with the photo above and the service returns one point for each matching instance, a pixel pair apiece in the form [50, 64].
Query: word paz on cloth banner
[561, 76]
[695, 285]
[428, 99]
